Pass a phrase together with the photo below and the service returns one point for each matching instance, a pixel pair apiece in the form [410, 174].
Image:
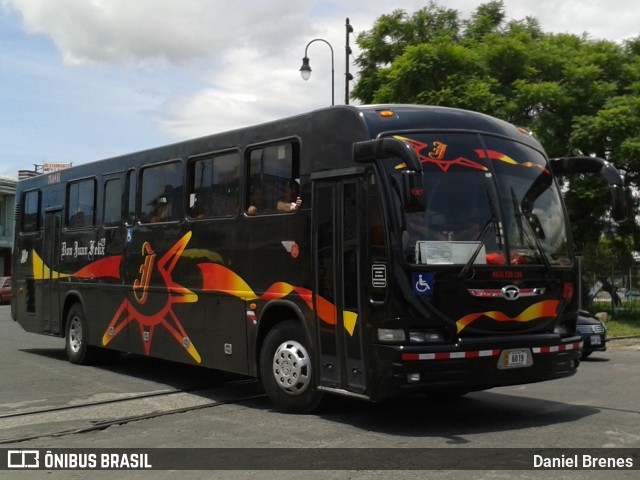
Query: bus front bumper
[473, 365]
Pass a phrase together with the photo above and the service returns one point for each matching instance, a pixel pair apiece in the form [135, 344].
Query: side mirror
[370, 150]
[577, 165]
[619, 201]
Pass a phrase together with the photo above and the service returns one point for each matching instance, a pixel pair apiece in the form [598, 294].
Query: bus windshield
[488, 199]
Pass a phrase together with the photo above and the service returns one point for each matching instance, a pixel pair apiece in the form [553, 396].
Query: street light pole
[305, 69]
[347, 76]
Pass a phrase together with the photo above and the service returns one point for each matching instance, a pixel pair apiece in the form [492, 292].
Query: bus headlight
[425, 336]
[391, 335]
[561, 330]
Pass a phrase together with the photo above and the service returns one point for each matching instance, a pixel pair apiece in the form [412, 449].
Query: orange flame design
[219, 278]
[546, 308]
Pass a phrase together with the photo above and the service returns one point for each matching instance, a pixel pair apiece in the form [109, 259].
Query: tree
[578, 96]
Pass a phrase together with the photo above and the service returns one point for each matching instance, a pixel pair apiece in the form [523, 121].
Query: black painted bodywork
[226, 326]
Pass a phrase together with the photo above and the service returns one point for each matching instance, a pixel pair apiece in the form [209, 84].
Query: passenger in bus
[255, 202]
[290, 201]
[198, 210]
[160, 211]
[77, 220]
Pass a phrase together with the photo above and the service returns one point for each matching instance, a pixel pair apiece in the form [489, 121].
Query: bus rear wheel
[76, 338]
[287, 371]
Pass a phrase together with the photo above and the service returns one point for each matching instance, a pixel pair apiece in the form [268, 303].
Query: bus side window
[215, 185]
[161, 193]
[81, 204]
[112, 202]
[30, 221]
[273, 169]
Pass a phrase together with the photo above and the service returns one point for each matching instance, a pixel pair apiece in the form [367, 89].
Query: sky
[83, 80]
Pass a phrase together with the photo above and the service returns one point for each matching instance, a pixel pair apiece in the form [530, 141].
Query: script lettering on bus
[438, 151]
[142, 284]
[96, 249]
[75, 250]
[53, 178]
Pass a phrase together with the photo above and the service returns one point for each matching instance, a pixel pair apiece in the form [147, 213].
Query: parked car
[593, 333]
[632, 295]
[5, 290]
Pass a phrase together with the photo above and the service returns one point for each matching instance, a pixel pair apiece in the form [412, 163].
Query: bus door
[338, 232]
[50, 282]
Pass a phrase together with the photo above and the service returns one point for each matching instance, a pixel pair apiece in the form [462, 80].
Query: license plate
[515, 358]
[595, 340]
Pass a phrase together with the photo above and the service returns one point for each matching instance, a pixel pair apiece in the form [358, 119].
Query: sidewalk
[624, 343]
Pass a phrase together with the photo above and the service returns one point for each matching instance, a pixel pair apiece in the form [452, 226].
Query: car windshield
[488, 199]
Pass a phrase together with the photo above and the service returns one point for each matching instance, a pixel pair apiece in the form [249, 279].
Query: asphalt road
[136, 402]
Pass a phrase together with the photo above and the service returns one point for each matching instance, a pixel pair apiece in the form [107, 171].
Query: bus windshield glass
[489, 201]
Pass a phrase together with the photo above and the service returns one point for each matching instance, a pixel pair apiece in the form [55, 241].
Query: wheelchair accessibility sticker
[422, 283]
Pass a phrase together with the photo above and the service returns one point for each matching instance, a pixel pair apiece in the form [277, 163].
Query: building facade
[7, 222]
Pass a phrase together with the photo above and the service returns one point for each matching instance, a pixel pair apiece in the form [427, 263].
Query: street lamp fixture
[305, 69]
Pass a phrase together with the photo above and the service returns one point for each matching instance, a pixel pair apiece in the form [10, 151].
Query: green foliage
[624, 322]
[579, 96]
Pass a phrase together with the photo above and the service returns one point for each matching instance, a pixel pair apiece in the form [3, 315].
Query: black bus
[367, 251]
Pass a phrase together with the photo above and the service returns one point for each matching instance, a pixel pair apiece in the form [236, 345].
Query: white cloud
[600, 19]
[245, 90]
[144, 32]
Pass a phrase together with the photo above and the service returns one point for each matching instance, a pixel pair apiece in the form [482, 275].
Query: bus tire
[287, 371]
[76, 338]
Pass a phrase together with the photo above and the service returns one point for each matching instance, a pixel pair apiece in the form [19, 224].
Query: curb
[623, 338]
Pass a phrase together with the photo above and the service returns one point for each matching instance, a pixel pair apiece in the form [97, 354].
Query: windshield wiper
[523, 222]
[492, 222]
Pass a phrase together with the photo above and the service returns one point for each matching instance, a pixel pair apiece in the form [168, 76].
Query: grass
[623, 321]
[622, 328]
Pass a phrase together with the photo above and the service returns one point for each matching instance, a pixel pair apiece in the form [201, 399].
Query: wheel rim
[291, 368]
[75, 335]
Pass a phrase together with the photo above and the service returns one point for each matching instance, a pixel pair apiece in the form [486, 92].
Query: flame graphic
[105, 267]
[546, 308]
[219, 278]
[215, 278]
[165, 316]
[464, 162]
[493, 155]
[443, 164]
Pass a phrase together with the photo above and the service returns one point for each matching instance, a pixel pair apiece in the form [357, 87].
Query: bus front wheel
[78, 351]
[286, 368]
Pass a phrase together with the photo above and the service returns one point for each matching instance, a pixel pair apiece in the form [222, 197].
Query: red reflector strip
[449, 355]
[558, 348]
[412, 357]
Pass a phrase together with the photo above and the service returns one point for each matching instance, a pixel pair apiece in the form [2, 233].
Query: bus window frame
[130, 218]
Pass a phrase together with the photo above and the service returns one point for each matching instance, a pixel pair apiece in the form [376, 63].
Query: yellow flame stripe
[546, 308]
[42, 271]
